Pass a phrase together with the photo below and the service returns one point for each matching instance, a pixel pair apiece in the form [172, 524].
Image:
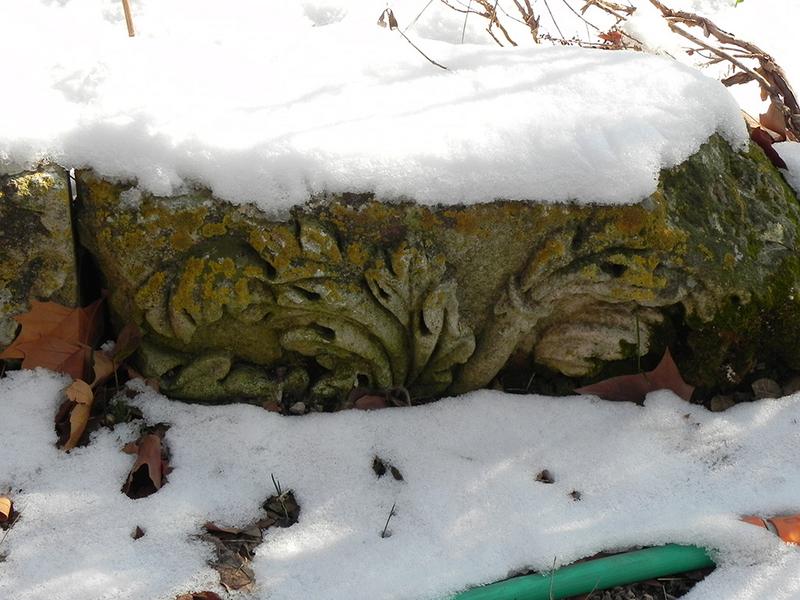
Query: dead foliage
[745, 61]
[57, 338]
[235, 547]
[634, 388]
[282, 509]
[151, 467]
[199, 596]
[6, 509]
[380, 467]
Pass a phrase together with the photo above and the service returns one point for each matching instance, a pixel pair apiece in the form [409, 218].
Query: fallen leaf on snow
[150, 470]
[77, 407]
[199, 596]
[6, 509]
[545, 476]
[634, 388]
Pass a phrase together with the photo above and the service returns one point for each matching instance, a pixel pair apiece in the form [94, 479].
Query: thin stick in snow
[128, 18]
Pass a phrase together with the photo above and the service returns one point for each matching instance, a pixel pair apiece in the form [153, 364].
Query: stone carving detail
[349, 290]
[37, 250]
[394, 323]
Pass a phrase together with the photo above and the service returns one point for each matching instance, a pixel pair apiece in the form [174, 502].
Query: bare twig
[464, 27]
[126, 7]
[580, 16]
[387, 18]
[768, 74]
[529, 18]
[547, 6]
[419, 14]
[385, 527]
[428, 58]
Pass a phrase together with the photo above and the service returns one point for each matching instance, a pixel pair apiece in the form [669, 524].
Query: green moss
[352, 290]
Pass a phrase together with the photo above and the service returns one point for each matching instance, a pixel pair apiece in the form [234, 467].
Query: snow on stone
[790, 153]
[468, 512]
[271, 102]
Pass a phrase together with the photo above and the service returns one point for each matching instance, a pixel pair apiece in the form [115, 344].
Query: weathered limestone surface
[37, 258]
[352, 291]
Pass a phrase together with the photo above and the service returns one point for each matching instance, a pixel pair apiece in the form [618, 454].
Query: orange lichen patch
[181, 240]
[552, 250]
[150, 294]
[210, 230]
[357, 255]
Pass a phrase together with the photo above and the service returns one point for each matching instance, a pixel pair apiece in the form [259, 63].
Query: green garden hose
[592, 575]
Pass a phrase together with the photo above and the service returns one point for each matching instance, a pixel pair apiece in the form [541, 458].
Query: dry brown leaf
[128, 342]
[49, 319]
[57, 355]
[199, 596]
[634, 388]
[612, 37]
[56, 337]
[761, 137]
[81, 396]
[272, 406]
[774, 120]
[104, 367]
[371, 402]
[6, 509]
[149, 471]
[41, 320]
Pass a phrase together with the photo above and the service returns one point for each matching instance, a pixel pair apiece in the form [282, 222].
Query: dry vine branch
[716, 46]
[489, 13]
[768, 74]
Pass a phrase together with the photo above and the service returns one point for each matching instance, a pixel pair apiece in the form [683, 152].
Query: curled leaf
[128, 342]
[6, 509]
[73, 415]
[104, 367]
[634, 388]
[149, 471]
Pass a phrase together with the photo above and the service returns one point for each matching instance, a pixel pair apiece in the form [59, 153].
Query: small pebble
[721, 402]
[792, 386]
[766, 388]
[298, 408]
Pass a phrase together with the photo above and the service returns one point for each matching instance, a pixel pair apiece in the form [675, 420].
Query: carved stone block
[349, 291]
[37, 251]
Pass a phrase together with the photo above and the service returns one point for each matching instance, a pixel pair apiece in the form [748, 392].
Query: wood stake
[128, 18]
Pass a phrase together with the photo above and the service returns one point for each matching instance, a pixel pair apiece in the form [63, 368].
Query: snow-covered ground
[468, 512]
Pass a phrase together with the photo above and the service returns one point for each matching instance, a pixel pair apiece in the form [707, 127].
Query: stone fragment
[721, 402]
[298, 408]
[37, 250]
[766, 388]
[792, 386]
